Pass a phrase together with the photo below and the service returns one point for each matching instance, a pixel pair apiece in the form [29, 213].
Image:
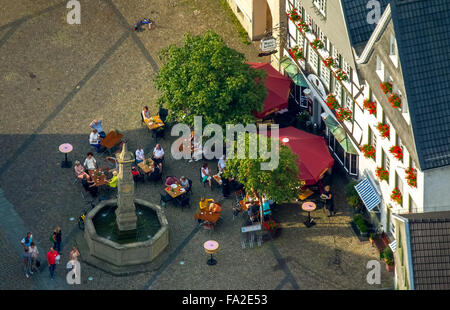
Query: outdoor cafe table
[154, 122]
[218, 179]
[208, 216]
[111, 139]
[99, 180]
[175, 191]
[146, 168]
[309, 206]
[66, 148]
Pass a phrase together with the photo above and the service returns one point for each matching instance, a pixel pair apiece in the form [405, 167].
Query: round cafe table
[66, 148]
[308, 207]
[211, 247]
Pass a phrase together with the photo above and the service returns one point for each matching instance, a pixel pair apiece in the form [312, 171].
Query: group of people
[157, 159]
[31, 257]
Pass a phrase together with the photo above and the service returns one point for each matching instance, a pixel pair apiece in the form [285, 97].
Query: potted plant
[147, 162]
[332, 102]
[370, 106]
[368, 151]
[293, 15]
[396, 196]
[384, 130]
[344, 114]
[386, 87]
[382, 174]
[395, 101]
[296, 53]
[316, 44]
[361, 224]
[352, 195]
[303, 26]
[272, 228]
[397, 152]
[302, 118]
[411, 176]
[388, 257]
[341, 75]
[330, 62]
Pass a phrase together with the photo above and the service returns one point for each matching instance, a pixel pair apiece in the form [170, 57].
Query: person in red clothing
[137, 176]
[51, 260]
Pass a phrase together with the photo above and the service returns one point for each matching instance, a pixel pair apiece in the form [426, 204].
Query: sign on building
[268, 45]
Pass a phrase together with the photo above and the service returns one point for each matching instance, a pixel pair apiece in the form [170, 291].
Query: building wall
[401, 257]
[437, 193]
[243, 10]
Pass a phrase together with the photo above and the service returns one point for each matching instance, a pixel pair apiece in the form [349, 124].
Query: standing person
[329, 202]
[140, 155]
[34, 253]
[27, 262]
[97, 124]
[51, 260]
[74, 254]
[26, 242]
[57, 235]
[205, 174]
[94, 140]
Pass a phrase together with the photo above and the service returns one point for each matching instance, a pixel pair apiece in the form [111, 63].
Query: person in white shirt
[205, 175]
[221, 164]
[90, 163]
[158, 154]
[140, 155]
[94, 140]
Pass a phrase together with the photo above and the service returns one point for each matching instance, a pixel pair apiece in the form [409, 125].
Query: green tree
[280, 183]
[206, 78]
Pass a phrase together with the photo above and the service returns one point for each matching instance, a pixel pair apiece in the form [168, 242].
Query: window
[324, 40]
[314, 60]
[380, 69]
[346, 67]
[398, 182]
[337, 90]
[321, 5]
[336, 56]
[385, 162]
[393, 51]
[351, 161]
[325, 75]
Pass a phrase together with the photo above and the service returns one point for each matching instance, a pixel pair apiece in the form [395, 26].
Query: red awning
[313, 154]
[278, 88]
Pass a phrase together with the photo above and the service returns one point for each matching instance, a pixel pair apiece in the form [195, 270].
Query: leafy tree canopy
[281, 183]
[206, 78]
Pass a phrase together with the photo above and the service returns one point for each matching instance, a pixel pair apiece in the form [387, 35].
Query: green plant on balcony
[368, 151]
[395, 101]
[296, 53]
[294, 15]
[332, 102]
[344, 114]
[303, 26]
[382, 174]
[370, 106]
[386, 87]
[330, 62]
[384, 130]
[411, 176]
[341, 75]
[396, 196]
[317, 44]
[397, 152]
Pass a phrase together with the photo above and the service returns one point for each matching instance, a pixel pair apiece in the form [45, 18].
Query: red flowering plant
[397, 152]
[296, 53]
[332, 102]
[368, 151]
[382, 174]
[293, 15]
[384, 130]
[396, 196]
[395, 101]
[386, 87]
[270, 225]
[303, 26]
[344, 114]
[370, 106]
[330, 62]
[317, 44]
[341, 75]
[411, 176]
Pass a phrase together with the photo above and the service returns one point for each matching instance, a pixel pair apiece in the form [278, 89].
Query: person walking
[26, 242]
[27, 262]
[34, 253]
[51, 260]
[74, 254]
[329, 202]
[57, 236]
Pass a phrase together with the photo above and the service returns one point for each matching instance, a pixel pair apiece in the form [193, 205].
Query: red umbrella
[278, 88]
[314, 157]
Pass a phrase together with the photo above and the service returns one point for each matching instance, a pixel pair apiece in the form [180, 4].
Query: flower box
[395, 101]
[294, 15]
[384, 130]
[396, 196]
[296, 53]
[411, 176]
[368, 151]
[397, 152]
[370, 106]
[344, 114]
[386, 87]
[332, 102]
[303, 26]
[316, 44]
[382, 174]
[341, 75]
[330, 62]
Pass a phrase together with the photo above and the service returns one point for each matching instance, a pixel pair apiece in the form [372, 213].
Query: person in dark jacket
[329, 202]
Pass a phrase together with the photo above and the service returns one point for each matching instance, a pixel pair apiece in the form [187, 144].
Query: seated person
[205, 174]
[89, 185]
[197, 152]
[171, 180]
[215, 207]
[254, 213]
[156, 174]
[79, 170]
[113, 182]
[94, 140]
[90, 163]
[204, 203]
[145, 113]
[97, 124]
[158, 154]
[137, 176]
[221, 164]
[266, 208]
[184, 182]
[140, 155]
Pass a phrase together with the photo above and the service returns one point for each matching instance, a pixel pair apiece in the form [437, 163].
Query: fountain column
[126, 218]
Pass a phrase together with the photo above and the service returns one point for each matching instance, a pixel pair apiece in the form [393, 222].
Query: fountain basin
[140, 250]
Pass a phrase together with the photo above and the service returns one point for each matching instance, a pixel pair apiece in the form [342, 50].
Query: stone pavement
[56, 78]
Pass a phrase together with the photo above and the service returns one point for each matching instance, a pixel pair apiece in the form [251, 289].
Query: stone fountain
[125, 231]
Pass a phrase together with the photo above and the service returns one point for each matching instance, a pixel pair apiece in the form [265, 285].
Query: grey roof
[430, 250]
[355, 14]
[423, 40]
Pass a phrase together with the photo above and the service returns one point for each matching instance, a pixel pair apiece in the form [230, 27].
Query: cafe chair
[163, 114]
[165, 198]
[183, 200]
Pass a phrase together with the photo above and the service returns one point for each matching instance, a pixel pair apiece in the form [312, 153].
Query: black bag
[38, 263]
